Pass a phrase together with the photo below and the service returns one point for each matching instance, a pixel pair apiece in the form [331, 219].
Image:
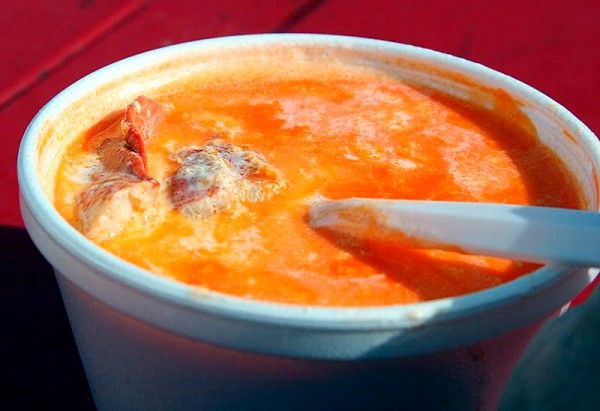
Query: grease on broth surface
[345, 133]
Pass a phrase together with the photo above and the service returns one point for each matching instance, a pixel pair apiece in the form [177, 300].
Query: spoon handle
[526, 233]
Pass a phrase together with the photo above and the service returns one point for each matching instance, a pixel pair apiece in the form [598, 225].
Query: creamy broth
[339, 132]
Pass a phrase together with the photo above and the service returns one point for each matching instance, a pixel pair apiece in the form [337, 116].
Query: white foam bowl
[148, 342]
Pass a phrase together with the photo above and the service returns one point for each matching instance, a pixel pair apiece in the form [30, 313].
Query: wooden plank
[38, 35]
[552, 45]
[158, 24]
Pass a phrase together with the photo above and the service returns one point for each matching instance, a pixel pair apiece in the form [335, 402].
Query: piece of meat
[117, 157]
[220, 176]
[141, 118]
[127, 151]
[108, 204]
[124, 186]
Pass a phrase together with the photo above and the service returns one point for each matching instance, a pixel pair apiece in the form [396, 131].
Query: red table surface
[551, 45]
[47, 44]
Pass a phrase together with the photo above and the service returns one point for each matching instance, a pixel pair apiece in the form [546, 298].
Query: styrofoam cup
[149, 342]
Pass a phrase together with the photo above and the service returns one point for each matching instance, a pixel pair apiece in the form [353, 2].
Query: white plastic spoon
[525, 233]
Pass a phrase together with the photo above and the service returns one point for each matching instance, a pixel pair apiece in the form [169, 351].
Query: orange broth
[359, 135]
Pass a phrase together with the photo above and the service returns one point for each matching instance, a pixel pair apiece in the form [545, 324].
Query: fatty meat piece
[128, 151]
[105, 208]
[116, 156]
[220, 176]
[124, 186]
[141, 118]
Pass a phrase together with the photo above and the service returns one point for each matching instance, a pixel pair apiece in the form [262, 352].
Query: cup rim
[304, 316]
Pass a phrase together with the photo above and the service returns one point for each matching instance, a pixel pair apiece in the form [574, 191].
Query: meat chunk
[123, 187]
[127, 152]
[141, 118]
[116, 156]
[108, 204]
[220, 176]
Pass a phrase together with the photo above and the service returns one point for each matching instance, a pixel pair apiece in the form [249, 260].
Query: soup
[209, 181]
